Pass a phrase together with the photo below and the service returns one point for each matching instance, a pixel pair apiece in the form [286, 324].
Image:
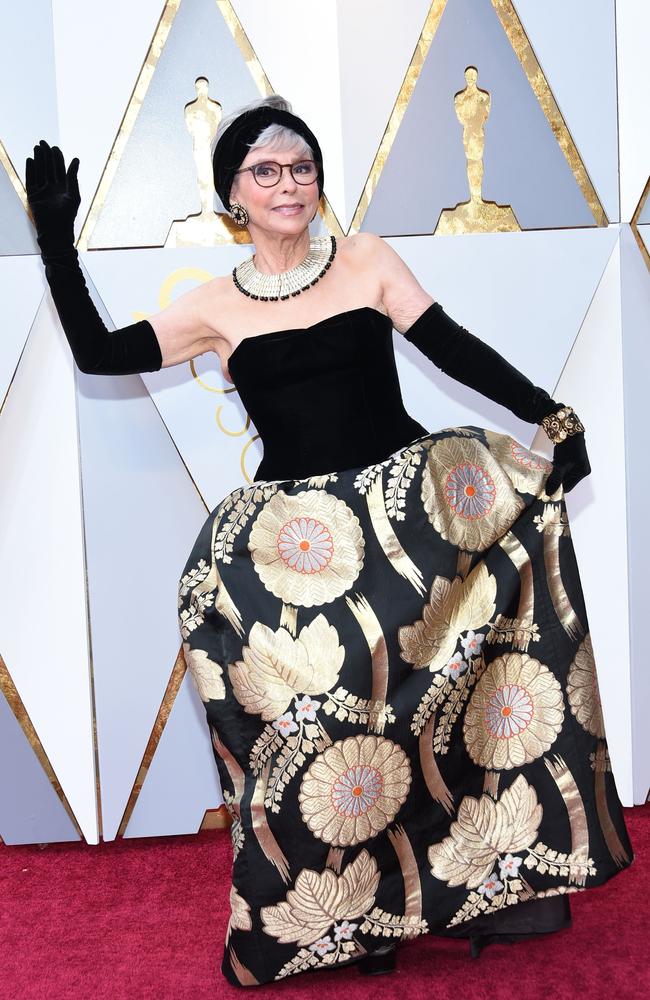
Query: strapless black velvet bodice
[325, 397]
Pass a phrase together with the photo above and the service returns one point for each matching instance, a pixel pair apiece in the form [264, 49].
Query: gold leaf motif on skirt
[240, 913]
[466, 494]
[307, 549]
[454, 607]
[514, 714]
[582, 690]
[482, 831]
[276, 667]
[206, 673]
[318, 899]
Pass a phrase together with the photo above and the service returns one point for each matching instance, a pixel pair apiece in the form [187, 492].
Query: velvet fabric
[96, 349]
[53, 196]
[335, 405]
[464, 357]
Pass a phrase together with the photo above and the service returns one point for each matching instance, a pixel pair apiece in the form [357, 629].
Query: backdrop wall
[106, 481]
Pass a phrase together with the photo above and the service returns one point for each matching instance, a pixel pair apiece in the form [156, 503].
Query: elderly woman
[358, 619]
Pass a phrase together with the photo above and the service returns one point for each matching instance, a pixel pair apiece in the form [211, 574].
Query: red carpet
[146, 918]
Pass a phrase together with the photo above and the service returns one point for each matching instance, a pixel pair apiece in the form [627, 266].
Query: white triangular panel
[635, 302]
[96, 43]
[30, 809]
[632, 34]
[597, 507]
[525, 294]
[22, 283]
[27, 82]
[142, 514]
[283, 42]
[43, 621]
[182, 781]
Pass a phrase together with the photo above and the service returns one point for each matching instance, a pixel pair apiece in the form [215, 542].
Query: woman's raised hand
[53, 196]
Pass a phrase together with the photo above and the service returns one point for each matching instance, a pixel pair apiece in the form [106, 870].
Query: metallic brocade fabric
[400, 686]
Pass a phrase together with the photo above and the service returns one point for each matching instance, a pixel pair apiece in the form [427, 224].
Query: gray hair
[275, 135]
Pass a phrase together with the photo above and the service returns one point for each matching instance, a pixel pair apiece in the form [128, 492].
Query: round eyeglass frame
[281, 166]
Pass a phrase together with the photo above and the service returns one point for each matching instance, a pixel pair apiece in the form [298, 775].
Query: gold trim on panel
[634, 223]
[166, 705]
[216, 819]
[91, 670]
[523, 50]
[126, 125]
[399, 108]
[17, 706]
[533, 70]
[22, 351]
[230, 17]
[16, 183]
[137, 99]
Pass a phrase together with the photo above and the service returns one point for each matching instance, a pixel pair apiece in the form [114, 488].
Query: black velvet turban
[233, 145]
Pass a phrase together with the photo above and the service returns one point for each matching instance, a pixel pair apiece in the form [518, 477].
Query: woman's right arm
[171, 336]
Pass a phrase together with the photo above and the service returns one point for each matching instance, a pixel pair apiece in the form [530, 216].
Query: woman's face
[266, 206]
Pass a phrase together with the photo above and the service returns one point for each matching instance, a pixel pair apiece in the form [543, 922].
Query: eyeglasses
[269, 172]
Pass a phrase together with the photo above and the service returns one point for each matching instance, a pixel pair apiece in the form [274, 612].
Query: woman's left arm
[469, 360]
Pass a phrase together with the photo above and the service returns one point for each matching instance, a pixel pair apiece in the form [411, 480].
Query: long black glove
[53, 196]
[469, 360]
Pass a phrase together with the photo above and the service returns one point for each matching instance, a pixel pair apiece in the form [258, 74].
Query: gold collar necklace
[272, 287]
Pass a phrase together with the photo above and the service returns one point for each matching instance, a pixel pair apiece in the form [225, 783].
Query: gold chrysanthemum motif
[466, 494]
[527, 470]
[206, 673]
[582, 690]
[354, 789]
[308, 549]
[515, 712]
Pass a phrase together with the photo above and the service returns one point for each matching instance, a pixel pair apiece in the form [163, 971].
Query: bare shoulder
[358, 246]
[215, 297]
[361, 251]
[216, 289]
[403, 296]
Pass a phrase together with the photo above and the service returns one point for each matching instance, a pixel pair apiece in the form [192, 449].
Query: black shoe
[543, 917]
[377, 962]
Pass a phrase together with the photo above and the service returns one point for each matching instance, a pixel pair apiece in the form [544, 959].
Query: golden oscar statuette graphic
[207, 228]
[472, 107]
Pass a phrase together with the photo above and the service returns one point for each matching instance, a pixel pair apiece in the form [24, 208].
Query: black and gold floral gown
[388, 632]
